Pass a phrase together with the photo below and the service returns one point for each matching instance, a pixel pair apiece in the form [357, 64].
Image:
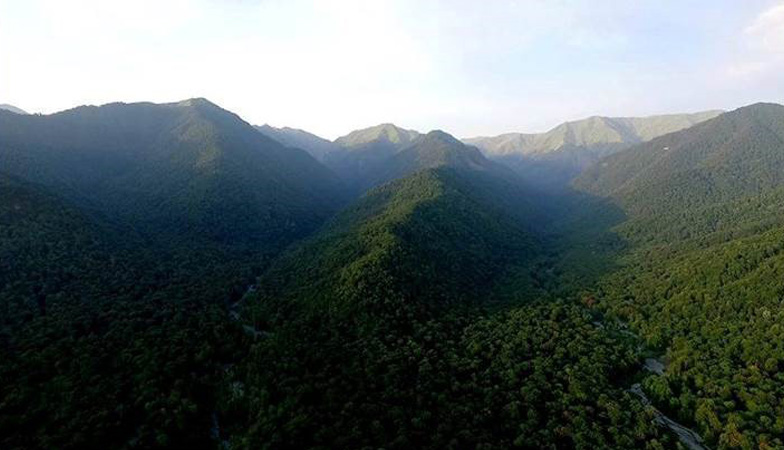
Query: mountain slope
[437, 237]
[554, 157]
[366, 151]
[125, 230]
[181, 169]
[12, 108]
[702, 276]
[385, 133]
[318, 147]
[434, 149]
[386, 330]
[707, 170]
[45, 240]
[385, 159]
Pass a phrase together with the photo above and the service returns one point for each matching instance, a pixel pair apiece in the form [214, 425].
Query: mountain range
[174, 277]
[548, 160]
[318, 147]
[554, 157]
[182, 169]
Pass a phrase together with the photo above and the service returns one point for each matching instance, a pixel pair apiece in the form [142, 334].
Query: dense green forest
[104, 344]
[125, 231]
[172, 278]
[394, 327]
[702, 280]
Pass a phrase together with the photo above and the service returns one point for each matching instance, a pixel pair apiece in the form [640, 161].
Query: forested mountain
[367, 150]
[431, 150]
[318, 147]
[384, 153]
[702, 278]
[391, 328]
[384, 134]
[438, 235]
[125, 230]
[695, 180]
[184, 170]
[552, 158]
[48, 242]
[12, 108]
[171, 277]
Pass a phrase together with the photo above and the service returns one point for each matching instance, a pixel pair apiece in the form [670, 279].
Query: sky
[464, 66]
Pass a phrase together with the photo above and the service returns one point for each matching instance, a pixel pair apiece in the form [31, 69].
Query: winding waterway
[687, 436]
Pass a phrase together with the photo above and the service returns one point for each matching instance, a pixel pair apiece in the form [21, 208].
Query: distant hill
[12, 108]
[318, 147]
[550, 159]
[366, 151]
[386, 152]
[385, 133]
[431, 150]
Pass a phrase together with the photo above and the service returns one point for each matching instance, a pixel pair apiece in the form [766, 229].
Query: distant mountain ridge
[318, 147]
[12, 108]
[552, 158]
[432, 150]
[386, 132]
[590, 131]
[736, 155]
[386, 152]
[546, 160]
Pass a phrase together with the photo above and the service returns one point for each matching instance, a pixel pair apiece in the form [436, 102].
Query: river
[687, 436]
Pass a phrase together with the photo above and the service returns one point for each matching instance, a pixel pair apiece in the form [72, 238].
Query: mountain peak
[385, 132]
[439, 135]
[756, 108]
[12, 108]
[196, 102]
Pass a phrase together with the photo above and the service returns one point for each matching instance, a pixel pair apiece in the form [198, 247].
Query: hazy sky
[469, 67]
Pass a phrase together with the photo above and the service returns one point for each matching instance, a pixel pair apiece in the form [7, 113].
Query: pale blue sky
[469, 67]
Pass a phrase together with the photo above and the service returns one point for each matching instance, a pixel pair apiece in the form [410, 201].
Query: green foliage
[437, 311]
[539, 376]
[176, 172]
[703, 277]
[436, 235]
[125, 230]
[391, 328]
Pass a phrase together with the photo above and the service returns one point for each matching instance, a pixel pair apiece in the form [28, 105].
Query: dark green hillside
[125, 230]
[182, 170]
[702, 280]
[366, 152]
[46, 247]
[392, 328]
[434, 149]
[431, 239]
[103, 342]
[694, 174]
